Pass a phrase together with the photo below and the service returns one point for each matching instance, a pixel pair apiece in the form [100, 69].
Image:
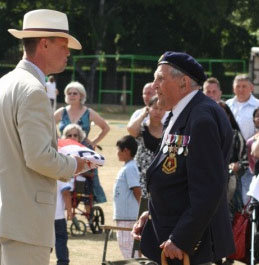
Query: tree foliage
[203, 28]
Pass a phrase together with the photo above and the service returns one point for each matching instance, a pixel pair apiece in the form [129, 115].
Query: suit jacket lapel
[177, 128]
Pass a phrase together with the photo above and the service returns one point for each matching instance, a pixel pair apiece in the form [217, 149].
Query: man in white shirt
[242, 106]
[141, 115]
[52, 91]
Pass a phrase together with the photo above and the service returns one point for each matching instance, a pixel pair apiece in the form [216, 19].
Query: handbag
[241, 231]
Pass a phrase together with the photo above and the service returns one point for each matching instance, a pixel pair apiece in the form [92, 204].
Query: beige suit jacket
[29, 161]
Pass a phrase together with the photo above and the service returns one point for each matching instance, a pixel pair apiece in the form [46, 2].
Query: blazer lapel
[177, 128]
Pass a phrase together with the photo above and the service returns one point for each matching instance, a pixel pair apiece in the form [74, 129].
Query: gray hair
[71, 126]
[242, 77]
[176, 72]
[78, 86]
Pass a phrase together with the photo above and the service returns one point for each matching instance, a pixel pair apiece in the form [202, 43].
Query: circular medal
[186, 151]
[180, 150]
[172, 155]
[165, 149]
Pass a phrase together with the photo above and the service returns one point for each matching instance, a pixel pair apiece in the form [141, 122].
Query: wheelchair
[82, 194]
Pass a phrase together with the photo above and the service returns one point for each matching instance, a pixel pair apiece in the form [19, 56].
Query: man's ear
[252, 87]
[184, 83]
[43, 43]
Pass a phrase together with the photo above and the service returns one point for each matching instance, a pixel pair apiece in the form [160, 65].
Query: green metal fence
[139, 64]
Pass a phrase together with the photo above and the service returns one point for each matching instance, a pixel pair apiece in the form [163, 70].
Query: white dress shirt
[243, 113]
[41, 74]
[177, 111]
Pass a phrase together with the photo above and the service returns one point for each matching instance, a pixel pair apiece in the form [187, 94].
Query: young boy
[63, 202]
[126, 193]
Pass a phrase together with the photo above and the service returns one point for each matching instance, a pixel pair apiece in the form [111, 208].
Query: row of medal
[176, 144]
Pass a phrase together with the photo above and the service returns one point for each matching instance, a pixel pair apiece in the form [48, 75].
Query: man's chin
[60, 70]
[161, 104]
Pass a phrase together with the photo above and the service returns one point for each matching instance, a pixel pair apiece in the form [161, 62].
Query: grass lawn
[89, 249]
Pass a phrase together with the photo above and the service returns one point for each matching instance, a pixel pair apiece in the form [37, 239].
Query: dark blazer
[189, 205]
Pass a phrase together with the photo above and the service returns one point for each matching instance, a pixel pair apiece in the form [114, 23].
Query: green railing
[101, 58]
[223, 61]
[133, 68]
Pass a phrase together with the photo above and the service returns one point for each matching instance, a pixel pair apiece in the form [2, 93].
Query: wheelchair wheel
[78, 228]
[96, 219]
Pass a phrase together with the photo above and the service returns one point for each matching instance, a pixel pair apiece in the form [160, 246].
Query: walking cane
[186, 259]
[252, 207]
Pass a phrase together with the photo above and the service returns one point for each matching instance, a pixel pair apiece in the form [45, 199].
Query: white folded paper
[73, 148]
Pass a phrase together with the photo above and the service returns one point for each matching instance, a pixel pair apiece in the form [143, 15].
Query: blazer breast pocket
[45, 197]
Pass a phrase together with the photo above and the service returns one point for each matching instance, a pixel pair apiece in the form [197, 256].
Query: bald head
[148, 93]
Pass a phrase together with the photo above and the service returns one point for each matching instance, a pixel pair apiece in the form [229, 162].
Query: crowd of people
[189, 157]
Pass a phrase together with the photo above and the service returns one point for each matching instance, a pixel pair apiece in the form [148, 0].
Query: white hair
[78, 86]
[71, 126]
[176, 72]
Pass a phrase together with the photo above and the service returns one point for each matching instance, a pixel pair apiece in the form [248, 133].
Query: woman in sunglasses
[78, 113]
[74, 132]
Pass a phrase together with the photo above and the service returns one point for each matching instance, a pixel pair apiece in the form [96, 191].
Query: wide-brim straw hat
[46, 23]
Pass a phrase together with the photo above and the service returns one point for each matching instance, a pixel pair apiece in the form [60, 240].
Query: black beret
[185, 63]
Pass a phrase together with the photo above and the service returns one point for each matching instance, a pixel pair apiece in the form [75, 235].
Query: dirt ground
[89, 249]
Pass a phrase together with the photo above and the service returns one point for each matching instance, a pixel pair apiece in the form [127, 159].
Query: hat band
[47, 29]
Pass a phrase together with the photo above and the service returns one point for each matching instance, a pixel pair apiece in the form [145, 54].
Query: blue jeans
[99, 195]
[61, 242]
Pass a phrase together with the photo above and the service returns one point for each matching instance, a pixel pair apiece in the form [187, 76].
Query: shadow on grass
[93, 237]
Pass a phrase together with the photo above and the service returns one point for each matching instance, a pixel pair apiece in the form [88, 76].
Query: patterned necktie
[168, 118]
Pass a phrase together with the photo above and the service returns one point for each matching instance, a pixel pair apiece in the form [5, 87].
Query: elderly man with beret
[187, 180]
[29, 162]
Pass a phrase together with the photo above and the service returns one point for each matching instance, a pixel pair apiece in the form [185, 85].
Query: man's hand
[234, 167]
[81, 163]
[144, 112]
[69, 214]
[139, 225]
[171, 250]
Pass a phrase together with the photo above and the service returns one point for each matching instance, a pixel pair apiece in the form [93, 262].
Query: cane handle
[186, 259]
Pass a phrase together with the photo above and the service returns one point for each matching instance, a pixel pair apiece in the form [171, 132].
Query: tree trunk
[91, 79]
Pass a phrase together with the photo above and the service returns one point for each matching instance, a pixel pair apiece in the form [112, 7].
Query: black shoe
[228, 262]
[218, 262]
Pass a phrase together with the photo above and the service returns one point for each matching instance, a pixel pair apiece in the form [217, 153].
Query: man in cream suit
[29, 161]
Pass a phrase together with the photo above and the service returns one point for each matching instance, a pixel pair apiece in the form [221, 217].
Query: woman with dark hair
[148, 140]
[238, 156]
[231, 117]
[252, 160]
[238, 163]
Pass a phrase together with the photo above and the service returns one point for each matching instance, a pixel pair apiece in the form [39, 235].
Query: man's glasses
[72, 93]
[72, 135]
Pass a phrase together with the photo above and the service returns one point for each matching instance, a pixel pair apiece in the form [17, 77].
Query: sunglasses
[73, 93]
[72, 135]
